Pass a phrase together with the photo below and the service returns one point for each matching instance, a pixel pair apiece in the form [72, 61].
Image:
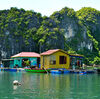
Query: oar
[46, 70]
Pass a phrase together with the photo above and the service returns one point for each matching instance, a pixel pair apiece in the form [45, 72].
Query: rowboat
[38, 70]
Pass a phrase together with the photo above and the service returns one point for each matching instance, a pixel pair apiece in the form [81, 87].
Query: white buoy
[15, 82]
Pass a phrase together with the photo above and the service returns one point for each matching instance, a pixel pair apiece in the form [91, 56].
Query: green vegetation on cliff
[89, 18]
[88, 14]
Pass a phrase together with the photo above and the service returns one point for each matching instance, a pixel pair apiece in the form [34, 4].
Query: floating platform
[82, 71]
[65, 71]
[13, 69]
[53, 71]
[10, 69]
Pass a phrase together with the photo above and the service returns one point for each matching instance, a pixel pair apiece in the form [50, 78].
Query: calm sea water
[48, 86]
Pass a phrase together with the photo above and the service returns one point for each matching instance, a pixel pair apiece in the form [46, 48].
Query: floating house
[55, 58]
[24, 59]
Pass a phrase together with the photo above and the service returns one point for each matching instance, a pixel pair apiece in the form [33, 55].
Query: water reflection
[15, 87]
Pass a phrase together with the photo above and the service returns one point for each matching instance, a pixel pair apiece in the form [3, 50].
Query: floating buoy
[15, 82]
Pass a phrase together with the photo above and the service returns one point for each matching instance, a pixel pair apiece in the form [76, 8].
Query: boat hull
[37, 70]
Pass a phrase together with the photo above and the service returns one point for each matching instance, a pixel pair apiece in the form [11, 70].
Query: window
[52, 60]
[62, 59]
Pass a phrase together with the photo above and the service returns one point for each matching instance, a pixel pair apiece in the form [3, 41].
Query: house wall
[18, 61]
[45, 61]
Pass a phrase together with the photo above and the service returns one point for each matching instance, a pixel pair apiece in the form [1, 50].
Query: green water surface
[48, 86]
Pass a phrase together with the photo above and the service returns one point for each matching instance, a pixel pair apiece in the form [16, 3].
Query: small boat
[38, 70]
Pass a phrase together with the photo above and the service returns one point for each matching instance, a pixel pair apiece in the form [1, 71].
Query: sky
[47, 7]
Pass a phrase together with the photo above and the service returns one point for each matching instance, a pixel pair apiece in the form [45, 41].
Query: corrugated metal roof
[50, 52]
[26, 54]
